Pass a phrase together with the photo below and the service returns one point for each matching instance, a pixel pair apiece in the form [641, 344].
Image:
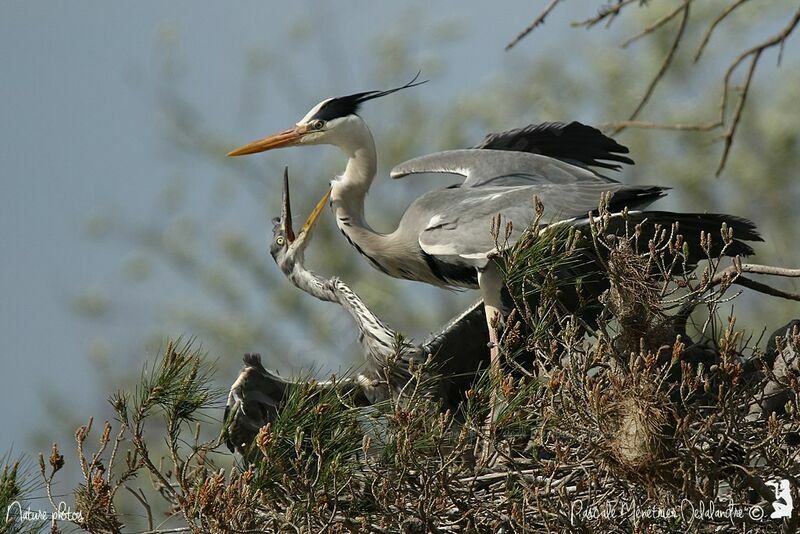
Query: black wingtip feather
[571, 142]
[691, 224]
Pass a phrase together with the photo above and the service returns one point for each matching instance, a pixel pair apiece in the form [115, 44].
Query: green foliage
[16, 486]
[178, 385]
[315, 437]
[617, 416]
[544, 268]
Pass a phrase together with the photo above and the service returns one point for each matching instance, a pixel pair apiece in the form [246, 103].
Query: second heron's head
[334, 121]
[287, 247]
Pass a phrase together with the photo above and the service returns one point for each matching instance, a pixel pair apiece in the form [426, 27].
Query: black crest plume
[349, 105]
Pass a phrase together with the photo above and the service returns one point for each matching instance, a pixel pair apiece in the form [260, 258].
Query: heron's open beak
[308, 226]
[286, 214]
[282, 139]
[286, 208]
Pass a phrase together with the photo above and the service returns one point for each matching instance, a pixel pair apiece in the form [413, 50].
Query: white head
[334, 121]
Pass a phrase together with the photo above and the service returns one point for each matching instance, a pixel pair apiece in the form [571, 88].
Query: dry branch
[536, 22]
[651, 87]
[730, 123]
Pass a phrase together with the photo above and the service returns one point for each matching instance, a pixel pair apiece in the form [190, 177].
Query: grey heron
[444, 237]
[255, 398]
[456, 352]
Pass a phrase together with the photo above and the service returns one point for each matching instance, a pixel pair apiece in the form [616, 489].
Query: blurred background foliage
[243, 302]
[212, 237]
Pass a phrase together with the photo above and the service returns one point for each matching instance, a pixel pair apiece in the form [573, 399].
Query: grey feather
[454, 225]
[553, 152]
[485, 168]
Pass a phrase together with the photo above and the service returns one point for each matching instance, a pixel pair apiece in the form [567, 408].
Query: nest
[639, 440]
[637, 426]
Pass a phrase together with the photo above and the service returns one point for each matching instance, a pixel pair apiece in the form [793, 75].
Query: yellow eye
[280, 240]
[317, 124]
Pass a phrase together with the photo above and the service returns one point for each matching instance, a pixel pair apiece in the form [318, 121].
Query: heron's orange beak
[282, 139]
[314, 216]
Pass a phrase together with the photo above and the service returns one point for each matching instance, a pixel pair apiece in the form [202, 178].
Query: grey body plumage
[444, 236]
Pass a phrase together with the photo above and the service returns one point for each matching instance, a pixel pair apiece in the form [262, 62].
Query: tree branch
[754, 54]
[664, 65]
[713, 26]
[532, 26]
[734, 273]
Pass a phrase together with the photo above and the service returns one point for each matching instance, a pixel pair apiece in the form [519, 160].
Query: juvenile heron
[444, 237]
[456, 352]
[256, 394]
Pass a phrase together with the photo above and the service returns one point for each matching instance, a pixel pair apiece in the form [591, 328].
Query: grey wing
[573, 143]
[551, 152]
[498, 168]
[459, 230]
[460, 346]
[459, 220]
[458, 353]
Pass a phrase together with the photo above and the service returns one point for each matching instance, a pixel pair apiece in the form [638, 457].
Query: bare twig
[737, 114]
[653, 27]
[733, 275]
[646, 125]
[664, 65]
[767, 290]
[536, 22]
[754, 268]
[143, 501]
[608, 12]
[707, 36]
[166, 531]
[769, 269]
[754, 52]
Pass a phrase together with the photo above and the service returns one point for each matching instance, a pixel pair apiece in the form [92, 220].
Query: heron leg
[491, 284]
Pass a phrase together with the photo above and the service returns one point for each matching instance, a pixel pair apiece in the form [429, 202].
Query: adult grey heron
[456, 352]
[444, 237]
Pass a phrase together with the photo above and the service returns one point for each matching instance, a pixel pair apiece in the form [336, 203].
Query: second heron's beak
[304, 234]
[286, 208]
[282, 139]
[308, 226]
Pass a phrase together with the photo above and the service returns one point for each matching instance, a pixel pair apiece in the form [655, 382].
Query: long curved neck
[349, 190]
[334, 290]
[310, 283]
